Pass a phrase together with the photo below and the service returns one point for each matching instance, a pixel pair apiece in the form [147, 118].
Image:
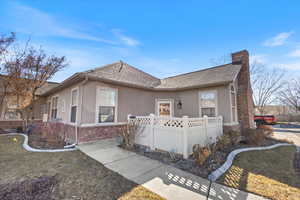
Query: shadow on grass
[268, 173]
[77, 175]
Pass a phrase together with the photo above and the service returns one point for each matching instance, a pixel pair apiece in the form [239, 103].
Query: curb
[29, 148]
[221, 170]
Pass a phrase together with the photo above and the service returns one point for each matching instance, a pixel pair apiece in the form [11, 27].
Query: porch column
[185, 120]
[152, 146]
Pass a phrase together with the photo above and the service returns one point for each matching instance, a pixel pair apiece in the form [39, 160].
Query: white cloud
[129, 41]
[259, 58]
[33, 21]
[295, 53]
[290, 66]
[278, 40]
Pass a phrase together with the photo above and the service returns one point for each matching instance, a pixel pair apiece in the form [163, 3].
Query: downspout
[81, 105]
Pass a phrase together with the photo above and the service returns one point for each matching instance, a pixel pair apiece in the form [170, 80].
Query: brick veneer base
[13, 124]
[85, 134]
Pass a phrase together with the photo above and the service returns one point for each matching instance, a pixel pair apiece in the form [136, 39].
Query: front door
[164, 108]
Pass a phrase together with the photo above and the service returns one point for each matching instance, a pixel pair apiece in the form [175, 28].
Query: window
[54, 108]
[233, 103]
[164, 108]
[74, 104]
[208, 103]
[106, 105]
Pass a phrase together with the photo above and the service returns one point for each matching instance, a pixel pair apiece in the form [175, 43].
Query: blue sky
[163, 38]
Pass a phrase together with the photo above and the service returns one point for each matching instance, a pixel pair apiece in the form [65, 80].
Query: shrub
[223, 142]
[255, 136]
[268, 130]
[19, 129]
[201, 153]
[129, 132]
[235, 136]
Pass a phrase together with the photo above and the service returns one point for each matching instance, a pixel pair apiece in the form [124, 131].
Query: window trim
[200, 104]
[158, 101]
[231, 106]
[70, 113]
[98, 104]
[51, 102]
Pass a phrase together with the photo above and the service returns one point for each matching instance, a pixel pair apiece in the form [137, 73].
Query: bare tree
[27, 70]
[265, 81]
[5, 42]
[265, 85]
[290, 95]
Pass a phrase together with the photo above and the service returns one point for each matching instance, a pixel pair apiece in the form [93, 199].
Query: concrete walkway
[165, 180]
[291, 134]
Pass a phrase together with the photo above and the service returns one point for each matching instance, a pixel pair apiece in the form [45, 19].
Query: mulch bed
[40, 188]
[213, 162]
[44, 141]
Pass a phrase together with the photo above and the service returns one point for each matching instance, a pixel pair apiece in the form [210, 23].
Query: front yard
[65, 175]
[269, 173]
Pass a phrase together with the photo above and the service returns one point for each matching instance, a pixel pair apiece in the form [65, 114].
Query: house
[94, 104]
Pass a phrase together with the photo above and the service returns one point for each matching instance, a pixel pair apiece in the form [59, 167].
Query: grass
[268, 173]
[78, 176]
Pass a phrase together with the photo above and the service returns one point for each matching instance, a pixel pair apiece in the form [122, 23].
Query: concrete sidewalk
[165, 180]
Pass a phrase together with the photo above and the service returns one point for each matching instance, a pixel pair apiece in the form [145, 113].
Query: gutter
[81, 106]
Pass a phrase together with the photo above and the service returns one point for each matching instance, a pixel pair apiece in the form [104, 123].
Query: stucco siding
[64, 103]
[142, 102]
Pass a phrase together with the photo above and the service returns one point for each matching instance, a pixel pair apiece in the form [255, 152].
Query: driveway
[289, 132]
[165, 180]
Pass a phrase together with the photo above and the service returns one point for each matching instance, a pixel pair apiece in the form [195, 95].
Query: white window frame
[159, 101]
[56, 96]
[76, 88]
[200, 103]
[231, 106]
[98, 104]
[63, 106]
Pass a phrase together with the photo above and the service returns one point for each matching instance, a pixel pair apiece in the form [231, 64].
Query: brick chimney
[245, 105]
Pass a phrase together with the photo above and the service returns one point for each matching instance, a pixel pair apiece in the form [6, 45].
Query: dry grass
[79, 177]
[268, 173]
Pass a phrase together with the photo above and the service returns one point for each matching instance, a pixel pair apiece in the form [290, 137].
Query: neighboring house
[95, 103]
[9, 102]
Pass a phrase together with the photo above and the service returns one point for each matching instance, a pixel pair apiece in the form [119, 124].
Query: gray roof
[215, 75]
[121, 73]
[46, 87]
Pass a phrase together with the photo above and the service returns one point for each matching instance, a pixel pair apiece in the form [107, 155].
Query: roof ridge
[140, 70]
[218, 66]
[103, 66]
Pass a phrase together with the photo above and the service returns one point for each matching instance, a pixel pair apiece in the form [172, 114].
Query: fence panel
[177, 135]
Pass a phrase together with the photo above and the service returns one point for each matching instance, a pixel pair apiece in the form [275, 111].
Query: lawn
[268, 173]
[69, 175]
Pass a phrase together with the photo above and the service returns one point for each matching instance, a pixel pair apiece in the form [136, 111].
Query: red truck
[265, 119]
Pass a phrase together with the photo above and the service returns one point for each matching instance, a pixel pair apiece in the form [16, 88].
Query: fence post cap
[152, 115]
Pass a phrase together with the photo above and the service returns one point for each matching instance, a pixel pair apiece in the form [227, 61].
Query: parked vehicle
[265, 119]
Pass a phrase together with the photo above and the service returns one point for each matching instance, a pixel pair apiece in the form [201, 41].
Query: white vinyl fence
[177, 135]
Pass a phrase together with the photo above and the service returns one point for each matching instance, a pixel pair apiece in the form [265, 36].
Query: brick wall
[245, 104]
[13, 124]
[85, 134]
